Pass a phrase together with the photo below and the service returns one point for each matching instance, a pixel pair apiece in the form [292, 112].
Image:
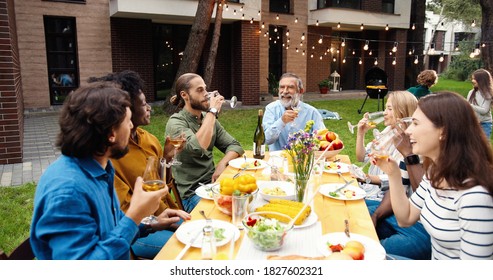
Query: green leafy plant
[273, 84]
[325, 83]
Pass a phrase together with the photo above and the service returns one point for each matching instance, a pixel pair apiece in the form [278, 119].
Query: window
[388, 6]
[61, 54]
[279, 6]
[350, 4]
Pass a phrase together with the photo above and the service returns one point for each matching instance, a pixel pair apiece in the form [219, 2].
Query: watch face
[213, 110]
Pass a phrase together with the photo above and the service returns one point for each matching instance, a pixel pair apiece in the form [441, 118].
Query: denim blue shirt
[277, 132]
[77, 214]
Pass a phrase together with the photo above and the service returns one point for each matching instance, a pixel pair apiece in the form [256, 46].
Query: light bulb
[277, 16]
[416, 60]
[360, 61]
[441, 58]
[296, 20]
[413, 27]
[287, 32]
[303, 37]
[472, 55]
[376, 62]
[354, 52]
[366, 45]
[311, 56]
[343, 44]
[344, 60]
[394, 61]
[394, 48]
[251, 21]
[334, 59]
[316, 23]
[473, 24]
[387, 27]
[275, 29]
[362, 26]
[370, 53]
[320, 40]
[321, 57]
[303, 52]
[263, 25]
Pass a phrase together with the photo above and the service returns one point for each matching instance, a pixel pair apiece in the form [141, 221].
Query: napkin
[310, 247]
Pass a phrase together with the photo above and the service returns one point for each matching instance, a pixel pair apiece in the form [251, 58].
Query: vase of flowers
[301, 149]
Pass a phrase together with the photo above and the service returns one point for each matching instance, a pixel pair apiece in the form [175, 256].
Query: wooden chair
[22, 252]
[175, 194]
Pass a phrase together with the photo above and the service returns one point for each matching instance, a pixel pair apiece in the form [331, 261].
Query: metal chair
[22, 252]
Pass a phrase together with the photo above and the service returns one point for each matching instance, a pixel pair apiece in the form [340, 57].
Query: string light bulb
[297, 50]
[376, 62]
[303, 36]
[316, 23]
[344, 60]
[394, 48]
[277, 16]
[227, 7]
[476, 49]
[275, 29]
[354, 52]
[413, 27]
[370, 53]
[394, 62]
[296, 20]
[473, 23]
[320, 41]
[360, 61]
[365, 47]
[343, 43]
[287, 32]
[251, 21]
[416, 59]
[258, 14]
[241, 9]
[338, 25]
[386, 27]
[303, 52]
[483, 45]
[441, 58]
[362, 27]
[234, 12]
[263, 25]
[334, 59]
[321, 57]
[311, 56]
[243, 16]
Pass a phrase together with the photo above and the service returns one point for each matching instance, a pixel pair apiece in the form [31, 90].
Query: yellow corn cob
[290, 208]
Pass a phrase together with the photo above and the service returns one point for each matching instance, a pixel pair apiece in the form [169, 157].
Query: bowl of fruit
[244, 185]
[329, 139]
[267, 230]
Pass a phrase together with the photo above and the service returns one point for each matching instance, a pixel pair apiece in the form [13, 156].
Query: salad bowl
[267, 230]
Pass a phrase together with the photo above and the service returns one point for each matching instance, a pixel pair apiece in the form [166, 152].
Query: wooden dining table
[331, 213]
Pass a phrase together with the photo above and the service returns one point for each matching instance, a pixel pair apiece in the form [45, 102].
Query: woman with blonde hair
[413, 242]
[454, 200]
[480, 98]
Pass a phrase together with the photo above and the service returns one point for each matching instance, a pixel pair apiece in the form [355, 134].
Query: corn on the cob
[287, 207]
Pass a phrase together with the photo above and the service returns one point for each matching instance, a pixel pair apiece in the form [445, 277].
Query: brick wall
[131, 48]
[246, 64]
[317, 69]
[11, 107]
[93, 41]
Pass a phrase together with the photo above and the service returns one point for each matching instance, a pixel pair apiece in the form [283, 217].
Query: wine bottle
[259, 138]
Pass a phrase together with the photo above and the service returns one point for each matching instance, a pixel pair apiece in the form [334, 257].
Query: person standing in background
[480, 98]
[279, 115]
[426, 79]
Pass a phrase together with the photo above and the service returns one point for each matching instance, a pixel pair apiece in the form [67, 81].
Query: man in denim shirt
[280, 119]
[76, 211]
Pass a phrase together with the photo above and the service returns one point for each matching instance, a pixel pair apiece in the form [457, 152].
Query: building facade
[52, 47]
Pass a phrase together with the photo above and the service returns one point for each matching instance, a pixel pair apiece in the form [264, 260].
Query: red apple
[337, 144]
[330, 136]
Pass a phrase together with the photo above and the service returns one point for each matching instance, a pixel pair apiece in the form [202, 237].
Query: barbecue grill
[376, 86]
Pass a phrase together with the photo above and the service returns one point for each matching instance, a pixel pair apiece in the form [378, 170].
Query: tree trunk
[209, 68]
[487, 33]
[195, 44]
[416, 39]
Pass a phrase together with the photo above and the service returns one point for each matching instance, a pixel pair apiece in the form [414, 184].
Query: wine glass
[373, 119]
[296, 104]
[176, 139]
[232, 102]
[153, 180]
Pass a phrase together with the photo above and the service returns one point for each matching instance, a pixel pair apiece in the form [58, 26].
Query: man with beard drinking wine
[197, 120]
[280, 119]
[76, 210]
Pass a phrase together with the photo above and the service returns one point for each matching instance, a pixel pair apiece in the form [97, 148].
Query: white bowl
[287, 187]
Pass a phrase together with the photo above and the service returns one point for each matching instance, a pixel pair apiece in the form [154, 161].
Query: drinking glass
[176, 139]
[373, 119]
[296, 104]
[232, 102]
[153, 177]
[239, 209]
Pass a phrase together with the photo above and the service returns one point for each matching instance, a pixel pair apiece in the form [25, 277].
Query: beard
[285, 102]
[118, 152]
[197, 104]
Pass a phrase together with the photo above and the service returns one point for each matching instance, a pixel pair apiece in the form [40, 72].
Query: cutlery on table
[346, 228]
[184, 250]
[341, 187]
[205, 217]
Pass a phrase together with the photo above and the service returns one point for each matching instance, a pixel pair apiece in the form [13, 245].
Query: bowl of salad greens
[267, 230]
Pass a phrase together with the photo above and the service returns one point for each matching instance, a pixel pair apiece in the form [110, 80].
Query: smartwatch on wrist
[412, 159]
[213, 110]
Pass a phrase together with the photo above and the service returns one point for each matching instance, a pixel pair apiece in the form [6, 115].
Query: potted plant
[324, 86]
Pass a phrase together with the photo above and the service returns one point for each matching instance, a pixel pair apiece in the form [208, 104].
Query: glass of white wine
[176, 139]
[232, 102]
[374, 119]
[154, 179]
[296, 104]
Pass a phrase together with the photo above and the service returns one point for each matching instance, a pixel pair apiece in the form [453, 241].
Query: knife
[180, 255]
[342, 187]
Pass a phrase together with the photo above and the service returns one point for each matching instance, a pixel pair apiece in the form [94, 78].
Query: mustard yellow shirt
[132, 165]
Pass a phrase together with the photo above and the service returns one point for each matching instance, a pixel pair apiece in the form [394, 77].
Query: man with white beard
[280, 119]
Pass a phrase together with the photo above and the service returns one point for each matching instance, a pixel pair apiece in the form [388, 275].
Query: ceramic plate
[285, 186]
[331, 167]
[186, 231]
[357, 192]
[250, 163]
[205, 191]
[310, 220]
[373, 248]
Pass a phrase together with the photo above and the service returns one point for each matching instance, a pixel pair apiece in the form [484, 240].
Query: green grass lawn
[16, 202]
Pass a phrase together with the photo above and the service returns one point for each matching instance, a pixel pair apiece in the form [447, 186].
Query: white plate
[310, 220]
[186, 231]
[373, 249]
[285, 186]
[325, 189]
[342, 167]
[205, 191]
[238, 163]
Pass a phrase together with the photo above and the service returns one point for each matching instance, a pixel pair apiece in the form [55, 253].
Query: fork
[340, 175]
[239, 172]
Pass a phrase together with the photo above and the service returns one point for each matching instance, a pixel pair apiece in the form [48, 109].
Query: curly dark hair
[88, 116]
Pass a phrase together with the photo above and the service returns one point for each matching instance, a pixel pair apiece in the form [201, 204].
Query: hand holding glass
[296, 104]
[373, 119]
[232, 102]
[176, 139]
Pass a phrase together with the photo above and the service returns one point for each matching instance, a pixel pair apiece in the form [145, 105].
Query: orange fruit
[355, 253]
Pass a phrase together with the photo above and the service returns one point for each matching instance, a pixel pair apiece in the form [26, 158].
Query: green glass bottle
[259, 138]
